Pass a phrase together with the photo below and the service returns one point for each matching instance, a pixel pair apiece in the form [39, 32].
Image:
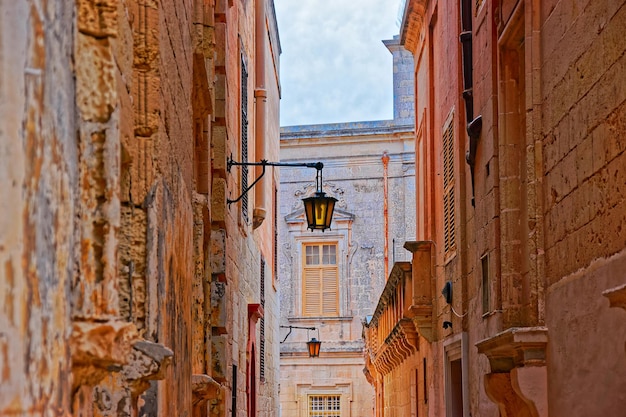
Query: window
[320, 280]
[448, 187]
[484, 262]
[324, 406]
[244, 137]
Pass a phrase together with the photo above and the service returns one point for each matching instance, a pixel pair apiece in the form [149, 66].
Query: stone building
[330, 281]
[129, 285]
[520, 251]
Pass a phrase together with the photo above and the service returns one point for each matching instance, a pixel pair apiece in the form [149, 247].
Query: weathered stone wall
[113, 188]
[269, 404]
[583, 116]
[583, 102]
[244, 246]
[39, 235]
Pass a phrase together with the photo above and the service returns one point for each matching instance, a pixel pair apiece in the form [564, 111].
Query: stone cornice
[402, 342]
[333, 130]
[412, 22]
[515, 347]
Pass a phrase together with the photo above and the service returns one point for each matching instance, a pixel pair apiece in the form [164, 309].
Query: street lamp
[318, 208]
[313, 345]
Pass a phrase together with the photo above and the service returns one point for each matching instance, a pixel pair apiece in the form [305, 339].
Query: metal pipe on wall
[260, 95]
[385, 159]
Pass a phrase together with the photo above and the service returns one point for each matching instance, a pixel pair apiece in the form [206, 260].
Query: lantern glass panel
[314, 347]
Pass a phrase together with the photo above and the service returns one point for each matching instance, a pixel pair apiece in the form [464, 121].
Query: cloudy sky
[334, 67]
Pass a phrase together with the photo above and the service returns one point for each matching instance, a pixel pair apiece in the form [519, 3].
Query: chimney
[403, 82]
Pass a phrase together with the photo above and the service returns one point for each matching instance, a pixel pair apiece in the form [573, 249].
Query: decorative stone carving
[329, 188]
[421, 308]
[500, 390]
[518, 346]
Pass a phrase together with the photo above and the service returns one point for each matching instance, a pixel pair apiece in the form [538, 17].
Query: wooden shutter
[330, 291]
[448, 187]
[320, 286]
[312, 292]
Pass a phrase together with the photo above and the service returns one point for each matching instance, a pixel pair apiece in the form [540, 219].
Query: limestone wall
[126, 278]
[583, 113]
[539, 209]
[39, 237]
[358, 159]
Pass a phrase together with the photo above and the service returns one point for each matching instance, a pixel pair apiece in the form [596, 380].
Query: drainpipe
[260, 95]
[385, 160]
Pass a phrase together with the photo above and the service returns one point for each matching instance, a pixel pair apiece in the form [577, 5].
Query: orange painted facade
[506, 306]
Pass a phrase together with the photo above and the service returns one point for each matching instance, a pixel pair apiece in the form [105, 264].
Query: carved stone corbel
[616, 296]
[518, 382]
[98, 348]
[500, 390]
[204, 389]
[148, 362]
[118, 394]
[421, 308]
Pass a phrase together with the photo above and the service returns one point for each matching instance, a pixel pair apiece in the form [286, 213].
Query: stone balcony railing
[404, 311]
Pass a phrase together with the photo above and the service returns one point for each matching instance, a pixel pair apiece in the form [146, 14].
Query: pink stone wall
[584, 159]
[586, 355]
[549, 199]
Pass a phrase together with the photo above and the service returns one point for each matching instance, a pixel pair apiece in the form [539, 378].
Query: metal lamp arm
[263, 163]
[244, 192]
[297, 327]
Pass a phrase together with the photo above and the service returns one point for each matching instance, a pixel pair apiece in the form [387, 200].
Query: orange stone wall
[126, 277]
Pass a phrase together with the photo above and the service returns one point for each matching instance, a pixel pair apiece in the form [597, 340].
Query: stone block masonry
[123, 270]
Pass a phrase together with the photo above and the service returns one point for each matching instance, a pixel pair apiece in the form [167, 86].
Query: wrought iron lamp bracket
[264, 163]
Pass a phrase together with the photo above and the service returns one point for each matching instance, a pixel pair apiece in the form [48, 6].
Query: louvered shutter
[330, 290]
[320, 280]
[448, 187]
[312, 292]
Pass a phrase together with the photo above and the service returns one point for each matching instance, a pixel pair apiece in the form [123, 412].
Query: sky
[334, 66]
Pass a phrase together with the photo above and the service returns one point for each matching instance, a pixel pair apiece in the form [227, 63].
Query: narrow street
[183, 236]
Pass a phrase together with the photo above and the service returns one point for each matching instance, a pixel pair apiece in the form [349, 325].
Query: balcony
[404, 311]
